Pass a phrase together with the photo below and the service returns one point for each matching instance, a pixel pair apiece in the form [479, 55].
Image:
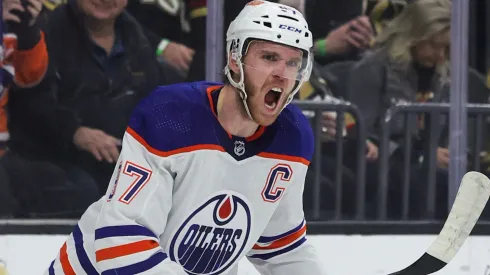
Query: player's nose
[279, 70]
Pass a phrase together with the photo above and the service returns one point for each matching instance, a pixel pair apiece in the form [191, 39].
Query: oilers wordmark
[212, 238]
[213, 245]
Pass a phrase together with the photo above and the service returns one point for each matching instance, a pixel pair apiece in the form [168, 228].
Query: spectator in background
[24, 57]
[321, 87]
[24, 61]
[409, 64]
[341, 29]
[101, 65]
[166, 26]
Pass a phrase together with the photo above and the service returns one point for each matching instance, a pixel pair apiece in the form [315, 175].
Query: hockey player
[212, 173]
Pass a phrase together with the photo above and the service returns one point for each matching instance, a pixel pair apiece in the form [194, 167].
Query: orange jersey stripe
[123, 250]
[65, 262]
[31, 65]
[176, 151]
[208, 147]
[284, 241]
[284, 157]
[257, 134]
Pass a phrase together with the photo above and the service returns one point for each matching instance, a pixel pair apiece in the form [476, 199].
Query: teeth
[272, 106]
[275, 89]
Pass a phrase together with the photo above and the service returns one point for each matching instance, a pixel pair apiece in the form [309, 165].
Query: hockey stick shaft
[470, 201]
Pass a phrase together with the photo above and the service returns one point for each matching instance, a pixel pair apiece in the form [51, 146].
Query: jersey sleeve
[31, 64]
[135, 211]
[283, 248]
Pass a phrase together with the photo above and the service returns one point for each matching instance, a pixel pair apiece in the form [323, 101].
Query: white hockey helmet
[267, 21]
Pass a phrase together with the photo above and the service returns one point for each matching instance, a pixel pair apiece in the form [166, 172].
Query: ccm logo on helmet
[289, 28]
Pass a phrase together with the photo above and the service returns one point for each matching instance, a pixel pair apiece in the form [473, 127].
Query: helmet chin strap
[240, 86]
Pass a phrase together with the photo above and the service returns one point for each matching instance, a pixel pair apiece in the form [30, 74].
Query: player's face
[270, 76]
[102, 9]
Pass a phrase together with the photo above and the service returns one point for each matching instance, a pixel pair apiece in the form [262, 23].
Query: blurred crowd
[73, 70]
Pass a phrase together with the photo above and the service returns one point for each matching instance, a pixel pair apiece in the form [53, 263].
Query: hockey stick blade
[470, 201]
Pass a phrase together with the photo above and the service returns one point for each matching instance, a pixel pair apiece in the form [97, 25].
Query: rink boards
[354, 254]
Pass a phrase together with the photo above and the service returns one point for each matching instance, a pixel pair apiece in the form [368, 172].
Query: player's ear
[233, 64]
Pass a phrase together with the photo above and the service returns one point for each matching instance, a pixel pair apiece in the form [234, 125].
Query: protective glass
[293, 67]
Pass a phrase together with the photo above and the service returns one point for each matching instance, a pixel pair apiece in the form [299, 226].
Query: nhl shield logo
[213, 237]
[239, 148]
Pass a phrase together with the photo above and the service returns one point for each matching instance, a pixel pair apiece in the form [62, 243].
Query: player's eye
[269, 57]
[293, 64]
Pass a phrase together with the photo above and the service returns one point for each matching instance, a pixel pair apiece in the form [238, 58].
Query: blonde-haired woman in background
[421, 34]
[409, 63]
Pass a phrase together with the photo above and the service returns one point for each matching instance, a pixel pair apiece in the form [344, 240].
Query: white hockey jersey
[187, 197]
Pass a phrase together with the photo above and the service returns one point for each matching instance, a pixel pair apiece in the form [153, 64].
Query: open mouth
[272, 98]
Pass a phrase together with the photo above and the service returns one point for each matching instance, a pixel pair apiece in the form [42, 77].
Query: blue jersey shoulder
[175, 116]
[294, 135]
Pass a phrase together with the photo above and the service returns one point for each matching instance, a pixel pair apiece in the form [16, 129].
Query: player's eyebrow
[276, 54]
[267, 52]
